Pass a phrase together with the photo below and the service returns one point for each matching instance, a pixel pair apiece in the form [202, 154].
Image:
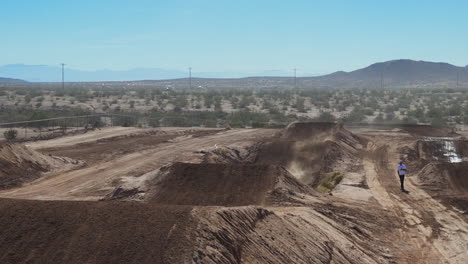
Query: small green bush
[330, 182]
[10, 134]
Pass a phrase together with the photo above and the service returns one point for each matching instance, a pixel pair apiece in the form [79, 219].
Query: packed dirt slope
[321, 233]
[242, 196]
[222, 185]
[310, 150]
[19, 164]
[445, 177]
[90, 232]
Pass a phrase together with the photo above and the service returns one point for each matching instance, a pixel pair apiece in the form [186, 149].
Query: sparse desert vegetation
[241, 107]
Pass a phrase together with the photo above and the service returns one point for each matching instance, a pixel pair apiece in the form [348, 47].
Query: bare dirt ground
[134, 159]
[433, 231]
[192, 195]
[90, 232]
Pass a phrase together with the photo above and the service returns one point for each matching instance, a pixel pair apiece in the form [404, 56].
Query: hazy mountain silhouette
[389, 74]
[45, 73]
[398, 73]
[10, 80]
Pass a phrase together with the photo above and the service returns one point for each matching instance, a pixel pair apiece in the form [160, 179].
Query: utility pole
[381, 80]
[63, 76]
[295, 79]
[458, 77]
[190, 77]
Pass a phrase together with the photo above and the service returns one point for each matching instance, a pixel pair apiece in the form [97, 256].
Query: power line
[295, 78]
[63, 75]
[190, 78]
[381, 80]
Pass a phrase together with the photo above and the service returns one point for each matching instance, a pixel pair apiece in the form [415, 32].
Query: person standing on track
[401, 170]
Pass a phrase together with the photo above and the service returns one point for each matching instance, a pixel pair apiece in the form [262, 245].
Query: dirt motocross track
[181, 195]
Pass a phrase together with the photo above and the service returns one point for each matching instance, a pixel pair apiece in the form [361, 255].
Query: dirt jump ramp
[20, 164]
[217, 185]
[445, 176]
[310, 150]
[222, 184]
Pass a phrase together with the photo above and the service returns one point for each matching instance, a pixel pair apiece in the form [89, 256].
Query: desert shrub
[379, 118]
[300, 105]
[10, 134]
[153, 122]
[326, 117]
[330, 182]
[438, 122]
[355, 116]
[125, 121]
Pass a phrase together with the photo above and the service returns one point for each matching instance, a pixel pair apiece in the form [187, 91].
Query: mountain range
[396, 73]
[10, 80]
[45, 73]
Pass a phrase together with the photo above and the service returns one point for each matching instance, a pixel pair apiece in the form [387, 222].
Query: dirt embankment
[310, 150]
[218, 184]
[445, 177]
[441, 169]
[131, 232]
[20, 164]
[298, 235]
[92, 232]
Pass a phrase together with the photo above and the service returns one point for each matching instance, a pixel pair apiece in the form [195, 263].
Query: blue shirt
[401, 169]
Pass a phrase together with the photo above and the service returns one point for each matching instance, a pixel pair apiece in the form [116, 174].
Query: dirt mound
[445, 177]
[310, 150]
[118, 232]
[223, 185]
[93, 232]
[258, 235]
[19, 164]
[447, 182]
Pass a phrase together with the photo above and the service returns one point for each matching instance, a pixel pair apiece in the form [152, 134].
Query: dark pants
[402, 181]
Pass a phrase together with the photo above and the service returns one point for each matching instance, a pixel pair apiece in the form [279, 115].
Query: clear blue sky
[222, 35]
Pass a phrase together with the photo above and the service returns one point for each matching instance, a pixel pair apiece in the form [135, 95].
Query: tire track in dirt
[430, 232]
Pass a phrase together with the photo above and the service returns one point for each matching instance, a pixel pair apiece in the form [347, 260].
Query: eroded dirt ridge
[243, 196]
[19, 165]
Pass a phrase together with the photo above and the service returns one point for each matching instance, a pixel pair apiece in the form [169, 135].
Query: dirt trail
[86, 137]
[433, 233]
[82, 184]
